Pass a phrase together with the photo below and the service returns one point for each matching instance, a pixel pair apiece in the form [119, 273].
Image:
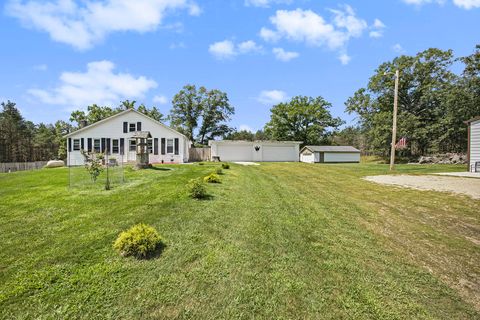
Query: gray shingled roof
[142, 134]
[331, 148]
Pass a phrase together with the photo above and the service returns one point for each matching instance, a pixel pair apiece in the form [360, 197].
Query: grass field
[275, 241]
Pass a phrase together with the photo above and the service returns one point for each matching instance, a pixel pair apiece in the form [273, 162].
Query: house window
[132, 127]
[96, 145]
[169, 145]
[115, 146]
[150, 145]
[133, 145]
[76, 144]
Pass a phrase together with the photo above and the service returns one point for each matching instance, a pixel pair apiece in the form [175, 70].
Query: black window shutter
[103, 145]
[82, 145]
[163, 145]
[89, 144]
[108, 145]
[69, 144]
[155, 146]
[125, 127]
[122, 146]
[176, 145]
[139, 126]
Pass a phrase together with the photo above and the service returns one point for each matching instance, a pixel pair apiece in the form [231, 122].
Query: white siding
[280, 153]
[341, 157]
[309, 157]
[474, 143]
[113, 129]
[245, 151]
[235, 153]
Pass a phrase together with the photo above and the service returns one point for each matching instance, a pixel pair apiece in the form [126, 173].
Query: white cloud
[464, 4]
[265, 3]
[82, 24]
[161, 99]
[40, 67]
[312, 29]
[223, 49]
[304, 26]
[397, 48]
[270, 97]
[99, 84]
[244, 127]
[269, 35]
[283, 55]
[248, 47]
[348, 20]
[344, 58]
[227, 49]
[467, 4]
[376, 30]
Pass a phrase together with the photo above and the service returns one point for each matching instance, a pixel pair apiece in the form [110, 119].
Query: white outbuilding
[473, 144]
[329, 154]
[256, 151]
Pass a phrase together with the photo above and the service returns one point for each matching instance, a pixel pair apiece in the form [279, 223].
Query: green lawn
[275, 241]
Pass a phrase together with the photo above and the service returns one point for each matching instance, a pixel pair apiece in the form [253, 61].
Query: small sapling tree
[93, 163]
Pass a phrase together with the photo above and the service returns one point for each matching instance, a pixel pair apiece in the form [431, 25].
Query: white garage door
[342, 157]
[280, 153]
[235, 153]
[307, 158]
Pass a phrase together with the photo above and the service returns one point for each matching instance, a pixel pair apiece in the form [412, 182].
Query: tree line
[434, 102]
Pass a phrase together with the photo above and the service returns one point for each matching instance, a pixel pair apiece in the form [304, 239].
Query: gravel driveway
[465, 186]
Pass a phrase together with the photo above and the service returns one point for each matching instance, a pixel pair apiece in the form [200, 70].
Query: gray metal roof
[331, 149]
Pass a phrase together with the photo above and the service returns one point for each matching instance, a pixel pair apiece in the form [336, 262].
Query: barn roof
[331, 149]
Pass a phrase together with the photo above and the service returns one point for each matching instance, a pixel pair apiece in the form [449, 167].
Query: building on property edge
[257, 151]
[473, 150]
[329, 154]
[114, 136]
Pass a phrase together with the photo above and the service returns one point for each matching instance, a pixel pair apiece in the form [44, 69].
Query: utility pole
[394, 127]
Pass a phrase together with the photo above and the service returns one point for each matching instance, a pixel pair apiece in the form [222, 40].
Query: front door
[132, 151]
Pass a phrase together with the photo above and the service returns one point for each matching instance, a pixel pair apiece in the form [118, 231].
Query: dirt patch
[464, 186]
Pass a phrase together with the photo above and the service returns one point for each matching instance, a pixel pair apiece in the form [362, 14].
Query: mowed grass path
[275, 241]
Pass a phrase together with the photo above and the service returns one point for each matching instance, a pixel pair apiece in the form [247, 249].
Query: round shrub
[196, 189]
[212, 178]
[225, 166]
[139, 241]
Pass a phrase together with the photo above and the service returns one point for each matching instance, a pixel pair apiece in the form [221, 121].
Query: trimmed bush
[212, 178]
[140, 241]
[218, 171]
[196, 189]
[225, 166]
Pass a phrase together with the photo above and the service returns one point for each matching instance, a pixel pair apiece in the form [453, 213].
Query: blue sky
[58, 56]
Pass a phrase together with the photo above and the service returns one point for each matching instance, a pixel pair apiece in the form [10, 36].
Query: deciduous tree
[202, 109]
[305, 119]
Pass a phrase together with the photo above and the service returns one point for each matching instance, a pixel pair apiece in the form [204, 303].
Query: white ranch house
[329, 154]
[113, 135]
[473, 144]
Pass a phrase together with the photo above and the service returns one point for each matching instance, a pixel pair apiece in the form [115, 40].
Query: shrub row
[142, 241]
